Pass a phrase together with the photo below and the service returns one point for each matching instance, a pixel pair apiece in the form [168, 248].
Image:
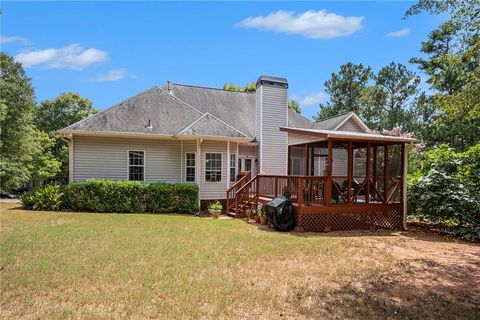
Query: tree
[64, 110]
[251, 87]
[53, 115]
[345, 89]
[393, 97]
[452, 65]
[293, 105]
[17, 112]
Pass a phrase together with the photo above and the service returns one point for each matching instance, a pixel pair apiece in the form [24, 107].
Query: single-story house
[337, 173]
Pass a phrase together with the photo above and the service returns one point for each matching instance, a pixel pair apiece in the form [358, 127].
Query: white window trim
[185, 166]
[205, 167]
[144, 164]
[235, 166]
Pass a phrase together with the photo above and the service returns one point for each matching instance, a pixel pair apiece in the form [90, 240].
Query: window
[233, 162]
[213, 167]
[136, 165]
[190, 167]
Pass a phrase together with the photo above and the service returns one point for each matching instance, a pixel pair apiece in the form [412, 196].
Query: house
[337, 173]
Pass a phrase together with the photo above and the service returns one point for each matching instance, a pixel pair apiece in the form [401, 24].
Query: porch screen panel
[394, 173]
[297, 161]
[340, 172]
[359, 173]
[377, 165]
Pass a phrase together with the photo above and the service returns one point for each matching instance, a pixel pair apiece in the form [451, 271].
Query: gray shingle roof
[235, 108]
[167, 115]
[331, 123]
[208, 125]
[190, 110]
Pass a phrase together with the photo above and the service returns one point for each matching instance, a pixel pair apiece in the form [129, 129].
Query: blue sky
[109, 51]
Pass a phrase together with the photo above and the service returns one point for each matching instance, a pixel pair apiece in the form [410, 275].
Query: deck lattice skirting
[340, 218]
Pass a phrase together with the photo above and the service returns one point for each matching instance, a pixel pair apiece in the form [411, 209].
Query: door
[246, 164]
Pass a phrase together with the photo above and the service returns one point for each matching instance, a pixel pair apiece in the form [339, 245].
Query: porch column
[198, 168]
[70, 160]
[404, 184]
[329, 180]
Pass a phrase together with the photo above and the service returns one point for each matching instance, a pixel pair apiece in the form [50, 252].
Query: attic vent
[149, 125]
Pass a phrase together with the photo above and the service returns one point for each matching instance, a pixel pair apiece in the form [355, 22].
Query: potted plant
[256, 217]
[262, 213]
[215, 208]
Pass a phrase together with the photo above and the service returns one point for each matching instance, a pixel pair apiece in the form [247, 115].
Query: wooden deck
[314, 210]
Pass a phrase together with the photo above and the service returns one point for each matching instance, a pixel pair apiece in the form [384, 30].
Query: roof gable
[209, 125]
[343, 122]
[166, 114]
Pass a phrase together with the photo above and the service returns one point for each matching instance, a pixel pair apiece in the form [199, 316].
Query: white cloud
[73, 56]
[400, 33]
[310, 24]
[309, 100]
[13, 39]
[112, 75]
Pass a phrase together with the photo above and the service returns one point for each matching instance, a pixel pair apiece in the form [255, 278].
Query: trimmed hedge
[100, 195]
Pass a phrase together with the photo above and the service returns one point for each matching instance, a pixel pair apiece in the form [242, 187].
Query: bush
[180, 198]
[99, 195]
[48, 197]
[445, 190]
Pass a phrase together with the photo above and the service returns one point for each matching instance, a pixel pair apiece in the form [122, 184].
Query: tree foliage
[250, 87]
[345, 89]
[56, 114]
[452, 65]
[382, 100]
[293, 105]
[18, 144]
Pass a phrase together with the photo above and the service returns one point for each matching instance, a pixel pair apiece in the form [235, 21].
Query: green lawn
[86, 265]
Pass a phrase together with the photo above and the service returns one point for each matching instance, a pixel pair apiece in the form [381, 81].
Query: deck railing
[233, 190]
[314, 190]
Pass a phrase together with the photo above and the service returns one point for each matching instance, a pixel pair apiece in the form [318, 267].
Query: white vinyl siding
[351, 126]
[95, 157]
[213, 190]
[298, 138]
[273, 115]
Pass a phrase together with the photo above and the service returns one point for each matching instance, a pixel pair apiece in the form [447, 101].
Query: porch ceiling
[325, 134]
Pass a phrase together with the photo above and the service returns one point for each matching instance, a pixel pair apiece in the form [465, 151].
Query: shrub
[445, 190]
[165, 197]
[100, 195]
[48, 197]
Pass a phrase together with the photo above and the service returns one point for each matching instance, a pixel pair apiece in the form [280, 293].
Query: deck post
[299, 191]
[276, 186]
[404, 185]
[367, 197]
[385, 180]
[329, 180]
[257, 187]
[350, 172]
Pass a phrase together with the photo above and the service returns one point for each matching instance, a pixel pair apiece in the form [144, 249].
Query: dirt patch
[432, 277]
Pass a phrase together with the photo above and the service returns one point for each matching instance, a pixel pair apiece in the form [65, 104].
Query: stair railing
[233, 190]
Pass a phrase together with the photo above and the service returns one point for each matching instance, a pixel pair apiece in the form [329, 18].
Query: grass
[79, 265]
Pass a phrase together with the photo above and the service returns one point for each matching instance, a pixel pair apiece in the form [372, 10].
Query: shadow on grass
[427, 290]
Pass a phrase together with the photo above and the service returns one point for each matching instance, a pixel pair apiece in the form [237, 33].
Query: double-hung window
[213, 167]
[190, 167]
[233, 163]
[136, 165]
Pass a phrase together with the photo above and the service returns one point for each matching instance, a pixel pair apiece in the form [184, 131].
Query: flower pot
[214, 213]
[263, 220]
[257, 219]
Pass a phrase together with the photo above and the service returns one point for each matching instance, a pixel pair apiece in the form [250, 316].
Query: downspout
[69, 141]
